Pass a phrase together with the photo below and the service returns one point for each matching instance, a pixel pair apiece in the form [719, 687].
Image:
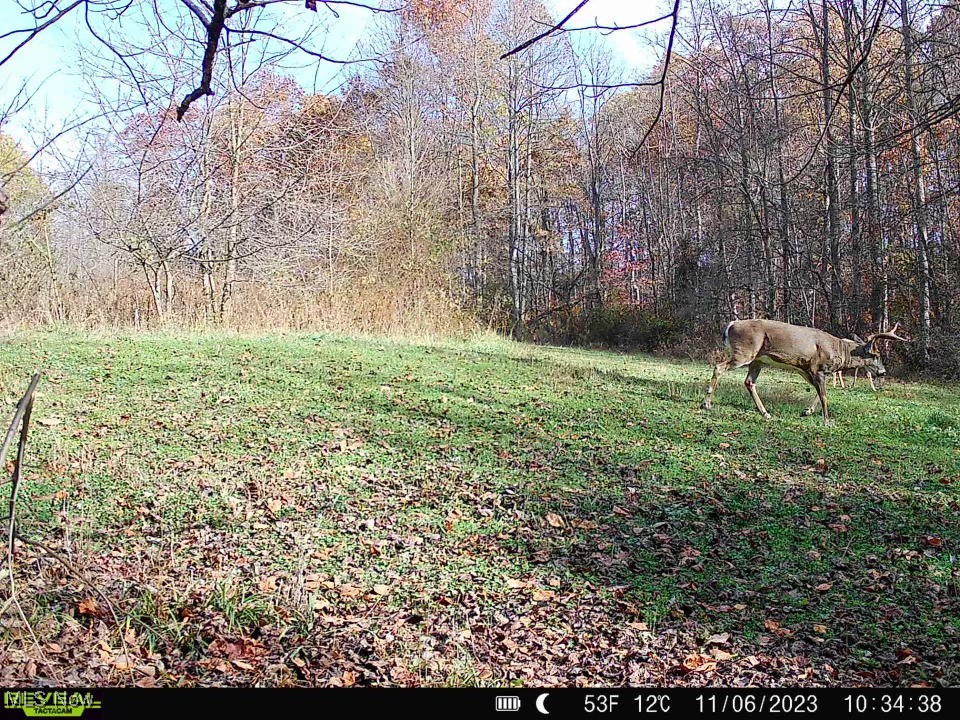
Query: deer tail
[726, 334]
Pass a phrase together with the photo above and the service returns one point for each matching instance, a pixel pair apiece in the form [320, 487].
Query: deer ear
[859, 339]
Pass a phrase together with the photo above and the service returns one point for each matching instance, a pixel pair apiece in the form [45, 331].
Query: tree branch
[546, 33]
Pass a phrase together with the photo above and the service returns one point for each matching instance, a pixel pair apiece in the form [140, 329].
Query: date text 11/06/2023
[746, 702]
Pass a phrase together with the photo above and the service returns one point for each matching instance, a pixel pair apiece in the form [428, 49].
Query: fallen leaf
[381, 589]
[824, 587]
[699, 663]
[555, 520]
[268, 585]
[718, 639]
[89, 606]
[349, 590]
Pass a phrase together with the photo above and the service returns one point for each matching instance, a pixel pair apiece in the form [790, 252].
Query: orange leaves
[434, 15]
[697, 663]
[89, 607]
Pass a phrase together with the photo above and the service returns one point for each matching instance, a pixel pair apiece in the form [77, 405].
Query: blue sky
[50, 60]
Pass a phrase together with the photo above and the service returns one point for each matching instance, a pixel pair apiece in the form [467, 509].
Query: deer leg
[820, 383]
[856, 374]
[731, 363]
[870, 378]
[719, 369]
[816, 399]
[751, 384]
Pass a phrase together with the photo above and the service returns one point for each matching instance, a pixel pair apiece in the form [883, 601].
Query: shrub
[630, 327]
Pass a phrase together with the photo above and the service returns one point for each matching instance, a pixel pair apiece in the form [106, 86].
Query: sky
[49, 61]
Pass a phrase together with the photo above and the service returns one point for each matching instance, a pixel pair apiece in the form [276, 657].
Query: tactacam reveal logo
[55, 703]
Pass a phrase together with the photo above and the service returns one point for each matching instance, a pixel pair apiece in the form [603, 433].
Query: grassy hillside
[320, 509]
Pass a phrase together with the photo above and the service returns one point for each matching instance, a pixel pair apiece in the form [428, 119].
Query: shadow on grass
[850, 580]
[686, 392]
[852, 575]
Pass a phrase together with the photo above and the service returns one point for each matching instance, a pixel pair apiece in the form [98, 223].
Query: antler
[890, 334]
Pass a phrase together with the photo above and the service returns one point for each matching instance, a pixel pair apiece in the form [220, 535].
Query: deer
[812, 353]
[838, 375]
[838, 379]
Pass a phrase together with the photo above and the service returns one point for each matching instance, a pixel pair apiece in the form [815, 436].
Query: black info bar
[92, 703]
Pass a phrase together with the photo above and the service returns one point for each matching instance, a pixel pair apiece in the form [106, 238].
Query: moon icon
[541, 707]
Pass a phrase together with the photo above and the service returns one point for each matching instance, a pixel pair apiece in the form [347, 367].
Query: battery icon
[508, 703]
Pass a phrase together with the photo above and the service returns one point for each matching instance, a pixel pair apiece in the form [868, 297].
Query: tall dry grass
[362, 308]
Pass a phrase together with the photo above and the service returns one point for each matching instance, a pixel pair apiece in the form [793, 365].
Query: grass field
[327, 510]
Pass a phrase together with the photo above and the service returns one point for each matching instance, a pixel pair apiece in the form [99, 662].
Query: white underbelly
[770, 362]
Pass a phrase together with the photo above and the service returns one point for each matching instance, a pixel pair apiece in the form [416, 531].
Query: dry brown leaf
[718, 639]
[268, 585]
[555, 520]
[699, 663]
[88, 606]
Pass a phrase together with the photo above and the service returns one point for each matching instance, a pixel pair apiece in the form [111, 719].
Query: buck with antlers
[812, 353]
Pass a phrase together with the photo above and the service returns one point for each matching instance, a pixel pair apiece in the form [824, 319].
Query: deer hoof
[807, 413]
[706, 405]
[766, 416]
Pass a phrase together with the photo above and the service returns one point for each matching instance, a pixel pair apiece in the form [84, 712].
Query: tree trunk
[919, 195]
[832, 204]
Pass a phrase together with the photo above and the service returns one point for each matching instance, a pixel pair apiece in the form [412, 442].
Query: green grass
[321, 509]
